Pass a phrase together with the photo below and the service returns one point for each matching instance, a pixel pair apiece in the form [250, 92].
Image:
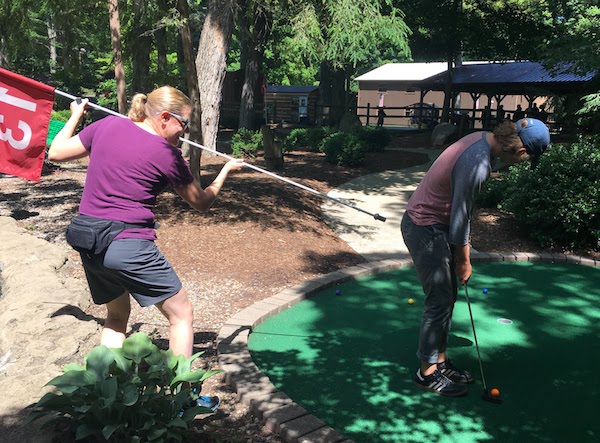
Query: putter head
[379, 217]
[490, 398]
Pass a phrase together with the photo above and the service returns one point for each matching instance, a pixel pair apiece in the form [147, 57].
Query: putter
[376, 216]
[487, 396]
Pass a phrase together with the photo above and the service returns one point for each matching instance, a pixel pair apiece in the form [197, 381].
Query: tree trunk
[141, 45]
[252, 47]
[52, 44]
[161, 41]
[247, 119]
[332, 94]
[115, 33]
[194, 154]
[211, 64]
[3, 53]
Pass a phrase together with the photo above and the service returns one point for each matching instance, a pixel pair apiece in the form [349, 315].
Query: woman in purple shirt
[132, 160]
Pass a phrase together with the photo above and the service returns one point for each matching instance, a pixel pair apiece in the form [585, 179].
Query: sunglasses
[185, 122]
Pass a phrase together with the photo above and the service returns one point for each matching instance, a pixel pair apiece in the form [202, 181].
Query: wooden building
[399, 88]
[291, 104]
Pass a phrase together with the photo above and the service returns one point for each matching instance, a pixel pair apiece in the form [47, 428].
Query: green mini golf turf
[349, 358]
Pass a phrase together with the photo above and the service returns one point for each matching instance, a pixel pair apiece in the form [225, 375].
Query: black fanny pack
[94, 235]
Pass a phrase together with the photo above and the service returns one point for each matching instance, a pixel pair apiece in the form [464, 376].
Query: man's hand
[462, 260]
[463, 272]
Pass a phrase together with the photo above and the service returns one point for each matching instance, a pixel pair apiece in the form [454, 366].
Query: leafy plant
[344, 149]
[134, 394]
[310, 139]
[374, 137]
[558, 203]
[245, 142]
[296, 139]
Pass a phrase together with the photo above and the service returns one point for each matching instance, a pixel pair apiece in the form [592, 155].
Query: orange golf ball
[495, 392]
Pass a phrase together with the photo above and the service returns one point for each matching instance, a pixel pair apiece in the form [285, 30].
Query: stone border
[279, 412]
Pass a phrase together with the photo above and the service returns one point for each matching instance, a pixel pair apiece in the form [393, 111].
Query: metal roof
[291, 89]
[403, 71]
[406, 71]
[509, 76]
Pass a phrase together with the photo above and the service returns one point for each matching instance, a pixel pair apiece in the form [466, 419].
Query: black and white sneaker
[453, 373]
[440, 384]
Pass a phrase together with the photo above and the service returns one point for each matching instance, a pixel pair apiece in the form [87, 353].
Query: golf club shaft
[475, 336]
[256, 168]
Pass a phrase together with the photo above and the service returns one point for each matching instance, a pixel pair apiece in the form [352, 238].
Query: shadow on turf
[354, 366]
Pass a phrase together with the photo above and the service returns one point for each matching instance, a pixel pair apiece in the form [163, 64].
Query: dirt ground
[260, 237]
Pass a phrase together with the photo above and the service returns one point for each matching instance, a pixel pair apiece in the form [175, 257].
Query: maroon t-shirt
[128, 168]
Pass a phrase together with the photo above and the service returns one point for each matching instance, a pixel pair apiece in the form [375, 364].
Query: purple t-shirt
[128, 168]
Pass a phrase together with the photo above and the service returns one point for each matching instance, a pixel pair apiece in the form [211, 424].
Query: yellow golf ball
[410, 301]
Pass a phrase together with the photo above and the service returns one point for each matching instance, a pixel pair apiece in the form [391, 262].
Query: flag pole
[251, 166]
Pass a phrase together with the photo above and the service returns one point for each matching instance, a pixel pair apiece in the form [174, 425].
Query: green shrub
[246, 142]
[310, 139]
[316, 137]
[344, 149]
[375, 138]
[492, 193]
[61, 115]
[106, 92]
[297, 139]
[133, 394]
[558, 203]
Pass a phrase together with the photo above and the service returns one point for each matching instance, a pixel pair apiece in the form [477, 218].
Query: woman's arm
[65, 145]
[202, 199]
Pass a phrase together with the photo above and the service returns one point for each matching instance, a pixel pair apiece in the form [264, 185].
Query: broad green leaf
[83, 408]
[73, 378]
[108, 390]
[73, 367]
[138, 346]
[33, 416]
[192, 377]
[130, 394]
[155, 358]
[122, 363]
[156, 434]
[210, 373]
[108, 430]
[178, 422]
[99, 360]
[50, 399]
[83, 431]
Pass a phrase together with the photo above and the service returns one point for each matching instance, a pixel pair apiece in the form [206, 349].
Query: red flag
[25, 107]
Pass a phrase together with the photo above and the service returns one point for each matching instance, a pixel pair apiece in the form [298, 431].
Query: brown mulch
[260, 237]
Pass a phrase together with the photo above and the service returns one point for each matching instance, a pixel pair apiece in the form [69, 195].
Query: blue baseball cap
[534, 134]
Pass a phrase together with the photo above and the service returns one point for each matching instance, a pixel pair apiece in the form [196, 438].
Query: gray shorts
[131, 265]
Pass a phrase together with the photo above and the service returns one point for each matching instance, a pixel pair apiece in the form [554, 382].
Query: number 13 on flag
[25, 108]
[7, 136]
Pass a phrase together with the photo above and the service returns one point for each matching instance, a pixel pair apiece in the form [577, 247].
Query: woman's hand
[234, 164]
[78, 108]
[66, 146]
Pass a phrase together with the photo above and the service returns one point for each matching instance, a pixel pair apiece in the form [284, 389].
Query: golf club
[487, 396]
[256, 168]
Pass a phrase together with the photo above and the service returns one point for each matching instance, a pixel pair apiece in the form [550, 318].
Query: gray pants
[434, 262]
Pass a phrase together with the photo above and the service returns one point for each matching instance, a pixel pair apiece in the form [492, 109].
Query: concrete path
[384, 193]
